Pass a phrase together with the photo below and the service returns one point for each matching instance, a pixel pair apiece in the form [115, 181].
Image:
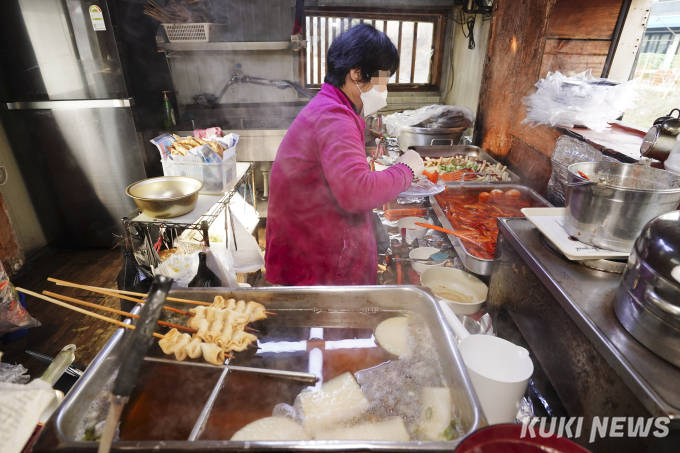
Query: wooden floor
[60, 326]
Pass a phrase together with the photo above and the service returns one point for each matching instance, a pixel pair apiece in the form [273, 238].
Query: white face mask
[373, 100]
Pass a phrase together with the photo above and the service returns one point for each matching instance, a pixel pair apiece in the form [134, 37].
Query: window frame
[435, 16]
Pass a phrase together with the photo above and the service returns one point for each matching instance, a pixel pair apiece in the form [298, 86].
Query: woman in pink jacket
[322, 192]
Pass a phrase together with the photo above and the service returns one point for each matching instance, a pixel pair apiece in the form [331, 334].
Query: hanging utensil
[233, 230]
[138, 343]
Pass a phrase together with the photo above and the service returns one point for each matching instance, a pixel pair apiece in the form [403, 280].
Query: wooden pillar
[512, 67]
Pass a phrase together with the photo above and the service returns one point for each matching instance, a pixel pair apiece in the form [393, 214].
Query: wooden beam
[584, 19]
[399, 51]
[326, 46]
[574, 56]
[439, 44]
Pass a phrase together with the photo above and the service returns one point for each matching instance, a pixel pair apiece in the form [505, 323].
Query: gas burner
[611, 266]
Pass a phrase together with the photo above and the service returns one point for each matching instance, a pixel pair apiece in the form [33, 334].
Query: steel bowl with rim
[610, 209]
[165, 197]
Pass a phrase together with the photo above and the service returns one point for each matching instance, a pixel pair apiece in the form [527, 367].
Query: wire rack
[208, 216]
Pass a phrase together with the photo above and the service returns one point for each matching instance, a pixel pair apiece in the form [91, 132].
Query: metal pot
[648, 299]
[657, 144]
[610, 209]
[165, 197]
[423, 136]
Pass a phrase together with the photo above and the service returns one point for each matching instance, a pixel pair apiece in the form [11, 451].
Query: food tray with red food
[395, 211]
[471, 212]
[464, 164]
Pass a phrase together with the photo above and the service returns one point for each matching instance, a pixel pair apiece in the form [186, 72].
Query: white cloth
[20, 409]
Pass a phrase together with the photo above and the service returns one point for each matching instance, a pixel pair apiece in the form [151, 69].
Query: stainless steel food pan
[435, 152]
[423, 136]
[320, 307]
[472, 263]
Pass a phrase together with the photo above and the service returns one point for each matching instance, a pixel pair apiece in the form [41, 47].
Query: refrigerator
[70, 117]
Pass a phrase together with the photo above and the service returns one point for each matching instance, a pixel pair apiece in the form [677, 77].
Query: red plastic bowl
[506, 439]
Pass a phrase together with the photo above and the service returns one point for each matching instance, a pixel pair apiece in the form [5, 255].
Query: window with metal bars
[419, 42]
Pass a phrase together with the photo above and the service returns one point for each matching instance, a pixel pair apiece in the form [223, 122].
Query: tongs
[133, 353]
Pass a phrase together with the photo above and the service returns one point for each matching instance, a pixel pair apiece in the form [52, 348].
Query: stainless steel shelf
[233, 46]
[244, 174]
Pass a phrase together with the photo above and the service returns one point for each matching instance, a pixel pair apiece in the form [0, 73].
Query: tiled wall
[208, 71]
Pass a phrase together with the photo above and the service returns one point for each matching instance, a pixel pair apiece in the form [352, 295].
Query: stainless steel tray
[351, 307]
[472, 263]
[435, 152]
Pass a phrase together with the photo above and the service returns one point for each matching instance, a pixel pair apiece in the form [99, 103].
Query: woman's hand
[413, 161]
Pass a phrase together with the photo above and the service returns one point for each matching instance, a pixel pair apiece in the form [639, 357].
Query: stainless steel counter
[586, 296]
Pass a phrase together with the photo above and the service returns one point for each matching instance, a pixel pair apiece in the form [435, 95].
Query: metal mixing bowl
[165, 197]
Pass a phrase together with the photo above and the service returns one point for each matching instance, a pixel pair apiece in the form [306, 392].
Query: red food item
[485, 197]
[474, 216]
[513, 194]
[432, 176]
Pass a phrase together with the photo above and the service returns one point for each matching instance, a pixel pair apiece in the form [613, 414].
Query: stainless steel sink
[261, 127]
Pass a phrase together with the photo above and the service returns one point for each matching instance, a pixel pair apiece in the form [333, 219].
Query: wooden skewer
[118, 291]
[113, 293]
[80, 310]
[89, 313]
[113, 310]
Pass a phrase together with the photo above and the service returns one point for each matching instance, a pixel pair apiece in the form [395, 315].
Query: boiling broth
[169, 398]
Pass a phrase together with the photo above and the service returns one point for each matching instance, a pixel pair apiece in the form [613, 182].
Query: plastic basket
[190, 32]
[217, 178]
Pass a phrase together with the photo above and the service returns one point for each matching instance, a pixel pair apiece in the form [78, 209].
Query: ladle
[498, 369]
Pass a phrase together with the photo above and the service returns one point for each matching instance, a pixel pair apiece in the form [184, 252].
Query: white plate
[550, 222]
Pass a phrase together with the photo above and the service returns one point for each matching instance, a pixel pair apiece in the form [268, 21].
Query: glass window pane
[315, 50]
[406, 52]
[423, 52]
[657, 69]
[393, 34]
[322, 43]
[309, 50]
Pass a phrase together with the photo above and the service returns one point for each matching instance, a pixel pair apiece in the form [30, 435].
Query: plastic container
[217, 178]
[17, 334]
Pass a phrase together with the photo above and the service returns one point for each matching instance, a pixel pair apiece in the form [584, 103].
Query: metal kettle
[662, 137]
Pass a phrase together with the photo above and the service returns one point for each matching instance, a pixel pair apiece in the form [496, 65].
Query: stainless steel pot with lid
[610, 209]
[424, 136]
[647, 302]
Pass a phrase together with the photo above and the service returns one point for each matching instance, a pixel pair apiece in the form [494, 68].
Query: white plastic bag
[180, 267]
[580, 100]
[221, 262]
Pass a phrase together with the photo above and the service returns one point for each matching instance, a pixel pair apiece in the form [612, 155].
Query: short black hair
[362, 47]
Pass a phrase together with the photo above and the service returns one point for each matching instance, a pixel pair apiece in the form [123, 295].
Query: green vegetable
[428, 413]
[450, 433]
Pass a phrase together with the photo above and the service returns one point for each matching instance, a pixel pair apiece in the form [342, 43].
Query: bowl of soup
[463, 292]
